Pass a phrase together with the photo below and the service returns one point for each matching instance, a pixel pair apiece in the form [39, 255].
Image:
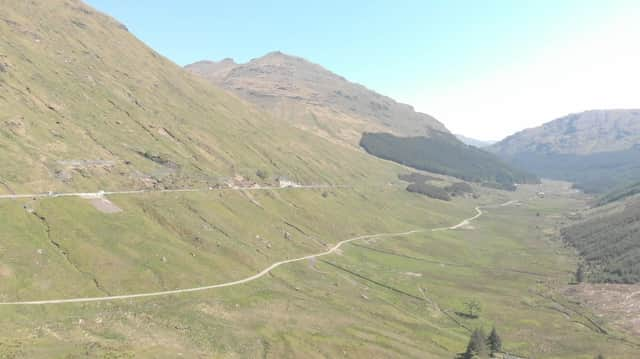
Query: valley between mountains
[464, 222]
[274, 209]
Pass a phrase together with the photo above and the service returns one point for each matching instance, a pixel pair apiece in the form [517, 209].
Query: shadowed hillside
[261, 267]
[609, 241]
[317, 100]
[597, 150]
[619, 194]
[444, 154]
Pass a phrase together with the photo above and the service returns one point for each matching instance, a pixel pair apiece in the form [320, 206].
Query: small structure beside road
[284, 182]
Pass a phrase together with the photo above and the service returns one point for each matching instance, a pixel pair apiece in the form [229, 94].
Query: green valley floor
[388, 296]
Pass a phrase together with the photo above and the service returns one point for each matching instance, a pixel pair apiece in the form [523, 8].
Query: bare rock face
[315, 98]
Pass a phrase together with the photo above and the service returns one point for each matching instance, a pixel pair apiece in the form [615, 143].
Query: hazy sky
[484, 68]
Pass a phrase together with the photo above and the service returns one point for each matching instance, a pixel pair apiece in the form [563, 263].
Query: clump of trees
[429, 190]
[416, 177]
[481, 346]
[419, 185]
[592, 173]
[459, 189]
[442, 153]
[500, 186]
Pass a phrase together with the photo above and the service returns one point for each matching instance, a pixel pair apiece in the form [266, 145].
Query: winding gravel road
[260, 274]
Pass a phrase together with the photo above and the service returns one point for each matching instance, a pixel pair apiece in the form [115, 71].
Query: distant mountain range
[600, 152]
[473, 142]
[314, 99]
[597, 150]
[578, 134]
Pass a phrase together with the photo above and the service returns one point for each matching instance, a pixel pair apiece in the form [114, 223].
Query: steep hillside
[608, 238]
[85, 105]
[442, 153]
[597, 150]
[578, 134]
[317, 100]
[363, 269]
[314, 98]
[619, 194]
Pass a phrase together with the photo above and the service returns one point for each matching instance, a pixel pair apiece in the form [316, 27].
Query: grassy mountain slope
[314, 98]
[444, 154]
[324, 103]
[597, 150]
[83, 104]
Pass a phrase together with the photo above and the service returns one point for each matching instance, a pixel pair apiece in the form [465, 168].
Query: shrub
[262, 174]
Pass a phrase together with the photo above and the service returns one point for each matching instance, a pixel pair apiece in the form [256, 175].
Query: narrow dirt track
[141, 191]
[258, 275]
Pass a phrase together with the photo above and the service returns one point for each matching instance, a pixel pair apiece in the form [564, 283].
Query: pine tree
[580, 274]
[477, 345]
[494, 341]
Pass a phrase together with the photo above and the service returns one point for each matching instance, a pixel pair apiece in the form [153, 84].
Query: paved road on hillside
[106, 193]
[264, 272]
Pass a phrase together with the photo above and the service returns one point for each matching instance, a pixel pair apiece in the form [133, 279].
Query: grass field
[395, 297]
[85, 106]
